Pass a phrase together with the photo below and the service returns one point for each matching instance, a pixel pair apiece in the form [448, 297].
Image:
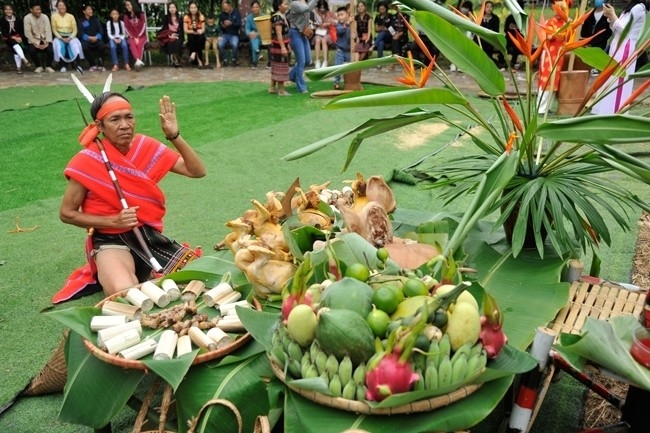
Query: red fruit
[492, 335]
[390, 376]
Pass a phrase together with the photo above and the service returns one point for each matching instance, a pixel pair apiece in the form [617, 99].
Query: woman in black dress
[171, 34]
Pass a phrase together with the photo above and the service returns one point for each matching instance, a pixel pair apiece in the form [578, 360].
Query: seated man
[230, 23]
[39, 36]
[91, 36]
[94, 200]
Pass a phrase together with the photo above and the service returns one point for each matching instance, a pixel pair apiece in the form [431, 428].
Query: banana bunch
[342, 377]
[446, 370]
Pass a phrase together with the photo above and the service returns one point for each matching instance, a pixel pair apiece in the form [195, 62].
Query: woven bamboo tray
[363, 408]
[139, 365]
[597, 301]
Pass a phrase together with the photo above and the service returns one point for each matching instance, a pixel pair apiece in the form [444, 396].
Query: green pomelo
[343, 332]
[348, 294]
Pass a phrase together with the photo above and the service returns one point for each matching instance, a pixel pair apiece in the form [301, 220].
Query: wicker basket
[363, 408]
[596, 301]
[139, 365]
[53, 376]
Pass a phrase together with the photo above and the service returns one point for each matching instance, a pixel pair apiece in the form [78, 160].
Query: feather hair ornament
[90, 135]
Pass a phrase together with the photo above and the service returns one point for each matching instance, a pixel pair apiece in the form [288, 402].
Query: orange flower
[511, 141]
[513, 115]
[409, 77]
[525, 46]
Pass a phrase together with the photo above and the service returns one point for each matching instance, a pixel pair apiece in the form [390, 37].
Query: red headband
[91, 132]
[110, 107]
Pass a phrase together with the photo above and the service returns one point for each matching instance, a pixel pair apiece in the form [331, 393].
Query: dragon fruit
[492, 335]
[389, 376]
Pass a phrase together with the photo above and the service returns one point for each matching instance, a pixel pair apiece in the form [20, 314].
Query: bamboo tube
[155, 293]
[122, 341]
[213, 295]
[200, 339]
[183, 345]
[230, 308]
[219, 337]
[166, 345]
[98, 323]
[193, 290]
[108, 333]
[228, 299]
[230, 324]
[112, 308]
[139, 299]
[170, 287]
[141, 349]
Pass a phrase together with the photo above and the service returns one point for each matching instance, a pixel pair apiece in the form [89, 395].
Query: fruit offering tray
[364, 408]
[152, 326]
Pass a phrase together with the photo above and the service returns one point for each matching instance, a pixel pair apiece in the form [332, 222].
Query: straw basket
[363, 408]
[263, 24]
[139, 365]
[53, 376]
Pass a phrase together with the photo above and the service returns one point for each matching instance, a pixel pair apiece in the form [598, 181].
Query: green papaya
[344, 332]
[348, 294]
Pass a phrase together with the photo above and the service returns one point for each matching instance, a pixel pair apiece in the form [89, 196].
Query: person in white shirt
[117, 38]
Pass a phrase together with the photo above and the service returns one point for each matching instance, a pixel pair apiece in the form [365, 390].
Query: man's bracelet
[175, 136]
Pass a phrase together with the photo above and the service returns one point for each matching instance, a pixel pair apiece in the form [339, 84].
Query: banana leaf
[95, 391]
[174, 370]
[332, 71]
[210, 269]
[394, 96]
[605, 129]
[463, 52]
[606, 343]
[78, 319]
[370, 128]
[240, 383]
[496, 39]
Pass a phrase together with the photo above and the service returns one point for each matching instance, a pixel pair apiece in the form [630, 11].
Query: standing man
[38, 32]
[230, 23]
[92, 39]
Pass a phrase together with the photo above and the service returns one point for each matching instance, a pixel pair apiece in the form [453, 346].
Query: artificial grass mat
[241, 133]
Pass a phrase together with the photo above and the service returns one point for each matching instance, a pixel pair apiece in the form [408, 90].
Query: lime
[386, 299]
[358, 271]
[398, 291]
[415, 287]
[382, 254]
[378, 321]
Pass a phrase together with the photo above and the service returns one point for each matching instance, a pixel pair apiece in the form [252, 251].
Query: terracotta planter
[573, 88]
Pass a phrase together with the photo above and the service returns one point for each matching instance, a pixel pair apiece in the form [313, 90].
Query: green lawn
[240, 132]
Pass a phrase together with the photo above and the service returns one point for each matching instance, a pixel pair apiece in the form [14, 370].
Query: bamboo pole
[572, 56]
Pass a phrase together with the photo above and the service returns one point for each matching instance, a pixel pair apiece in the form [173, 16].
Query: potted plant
[542, 173]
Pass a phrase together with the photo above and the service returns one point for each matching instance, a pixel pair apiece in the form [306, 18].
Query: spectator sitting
[323, 19]
[510, 28]
[597, 22]
[135, 25]
[67, 47]
[383, 23]
[253, 33]
[363, 45]
[342, 40]
[171, 34]
[117, 38]
[211, 40]
[490, 22]
[39, 36]
[194, 28]
[92, 39]
[400, 34]
[13, 35]
[467, 9]
[230, 23]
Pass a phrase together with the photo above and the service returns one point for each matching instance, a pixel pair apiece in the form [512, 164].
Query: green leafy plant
[546, 177]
